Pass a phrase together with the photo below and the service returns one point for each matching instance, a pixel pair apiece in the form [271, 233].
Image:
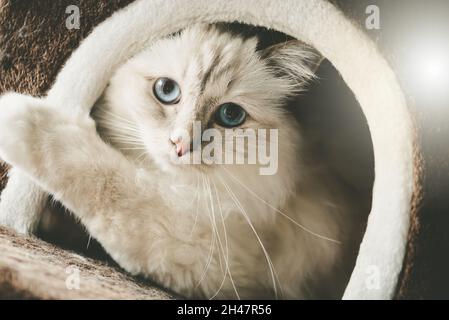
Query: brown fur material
[33, 269]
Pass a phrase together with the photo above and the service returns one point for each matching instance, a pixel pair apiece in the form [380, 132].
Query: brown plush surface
[425, 272]
[410, 286]
[3, 175]
[33, 269]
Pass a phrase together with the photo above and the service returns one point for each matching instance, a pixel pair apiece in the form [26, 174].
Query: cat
[201, 230]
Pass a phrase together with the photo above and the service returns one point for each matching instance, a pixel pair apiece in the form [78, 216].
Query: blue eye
[167, 91]
[230, 115]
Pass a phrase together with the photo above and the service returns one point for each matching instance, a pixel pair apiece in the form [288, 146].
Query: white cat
[208, 230]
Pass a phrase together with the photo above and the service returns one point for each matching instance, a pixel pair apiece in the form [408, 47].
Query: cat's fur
[206, 231]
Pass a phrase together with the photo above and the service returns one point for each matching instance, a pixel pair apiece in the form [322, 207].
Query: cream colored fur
[205, 231]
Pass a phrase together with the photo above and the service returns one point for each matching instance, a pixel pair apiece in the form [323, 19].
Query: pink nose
[180, 147]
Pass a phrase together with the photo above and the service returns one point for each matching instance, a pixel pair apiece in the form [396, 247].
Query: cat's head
[209, 78]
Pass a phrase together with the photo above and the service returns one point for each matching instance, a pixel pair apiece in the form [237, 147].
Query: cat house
[71, 68]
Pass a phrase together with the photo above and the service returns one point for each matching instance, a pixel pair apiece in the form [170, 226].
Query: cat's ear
[292, 59]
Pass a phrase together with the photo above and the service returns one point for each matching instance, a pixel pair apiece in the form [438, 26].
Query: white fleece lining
[317, 22]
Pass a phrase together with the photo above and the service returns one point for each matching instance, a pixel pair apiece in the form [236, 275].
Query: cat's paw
[19, 123]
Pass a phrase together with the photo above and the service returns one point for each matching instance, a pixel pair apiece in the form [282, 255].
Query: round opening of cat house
[352, 119]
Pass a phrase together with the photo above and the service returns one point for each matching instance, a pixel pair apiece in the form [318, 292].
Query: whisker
[88, 242]
[115, 124]
[103, 111]
[211, 250]
[226, 244]
[280, 212]
[110, 118]
[214, 226]
[197, 197]
[141, 158]
[267, 256]
[132, 148]
[125, 135]
[121, 133]
[212, 215]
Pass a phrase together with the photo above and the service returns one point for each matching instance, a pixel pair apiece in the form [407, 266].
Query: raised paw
[20, 119]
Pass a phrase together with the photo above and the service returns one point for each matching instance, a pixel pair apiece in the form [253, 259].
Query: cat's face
[208, 79]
